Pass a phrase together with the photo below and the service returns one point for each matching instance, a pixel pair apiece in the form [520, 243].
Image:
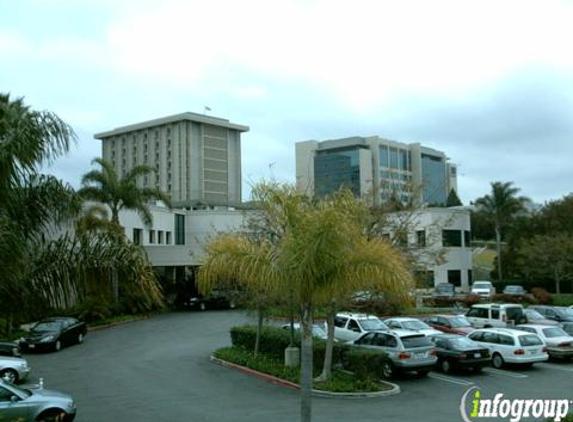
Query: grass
[340, 382]
[563, 299]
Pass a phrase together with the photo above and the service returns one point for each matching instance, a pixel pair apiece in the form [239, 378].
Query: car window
[474, 312]
[340, 321]
[385, 340]
[528, 329]
[416, 341]
[372, 324]
[554, 332]
[489, 337]
[530, 340]
[365, 339]
[495, 314]
[415, 325]
[533, 315]
[5, 394]
[459, 322]
[505, 340]
[48, 326]
[476, 336]
[393, 324]
[434, 320]
[550, 312]
[462, 343]
[353, 326]
[514, 313]
[482, 313]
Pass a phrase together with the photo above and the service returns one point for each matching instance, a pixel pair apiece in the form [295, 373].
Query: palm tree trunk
[327, 367]
[259, 330]
[498, 245]
[306, 365]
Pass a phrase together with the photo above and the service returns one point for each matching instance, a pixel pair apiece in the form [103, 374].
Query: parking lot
[159, 370]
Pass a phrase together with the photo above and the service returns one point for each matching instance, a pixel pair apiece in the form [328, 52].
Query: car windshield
[416, 341]
[47, 326]
[530, 340]
[445, 288]
[462, 343]
[481, 285]
[415, 325]
[23, 392]
[554, 332]
[459, 322]
[566, 312]
[513, 288]
[533, 315]
[373, 324]
[318, 332]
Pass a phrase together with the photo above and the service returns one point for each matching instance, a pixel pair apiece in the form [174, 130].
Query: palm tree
[106, 187]
[501, 205]
[320, 256]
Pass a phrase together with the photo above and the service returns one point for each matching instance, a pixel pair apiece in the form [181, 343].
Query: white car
[317, 330]
[483, 289]
[559, 342]
[13, 369]
[488, 315]
[411, 324]
[350, 326]
[508, 345]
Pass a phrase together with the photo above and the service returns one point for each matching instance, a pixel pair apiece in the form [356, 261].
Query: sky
[487, 82]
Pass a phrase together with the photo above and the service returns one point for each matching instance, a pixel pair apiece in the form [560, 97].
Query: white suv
[511, 346]
[349, 326]
[483, 289]
[496, 315]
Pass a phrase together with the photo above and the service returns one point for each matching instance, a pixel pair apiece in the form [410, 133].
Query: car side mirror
[14, 399]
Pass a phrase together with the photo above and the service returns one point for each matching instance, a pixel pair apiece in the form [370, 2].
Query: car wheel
[57, 345]
[55, 415]
[387, 370]
[202, 306]
[9, 375]
[423, 373]
[446, 366]
[80, 338]
[497, 361]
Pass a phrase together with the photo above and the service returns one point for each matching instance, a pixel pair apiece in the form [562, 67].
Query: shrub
[378, 307]
[93, 309]
[504, 298]
[366, 364]
[563, 300]
[541, 295]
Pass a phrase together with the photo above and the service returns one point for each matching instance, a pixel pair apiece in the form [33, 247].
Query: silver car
[407, 351]
[13, 369]
[34, 404]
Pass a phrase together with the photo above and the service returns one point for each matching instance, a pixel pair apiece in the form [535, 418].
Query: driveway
[159, 370]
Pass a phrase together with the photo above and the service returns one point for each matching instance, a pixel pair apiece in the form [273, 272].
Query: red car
[454, 324]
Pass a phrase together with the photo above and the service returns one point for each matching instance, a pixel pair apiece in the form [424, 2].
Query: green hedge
[275, 340]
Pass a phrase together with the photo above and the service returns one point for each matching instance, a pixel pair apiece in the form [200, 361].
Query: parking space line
[553, 366]
[494, 371]
[459, 381]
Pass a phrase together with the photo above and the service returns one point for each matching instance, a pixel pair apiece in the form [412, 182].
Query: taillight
[519, 352]
[463, 356]
[564, 345]
[404, 355]
[433, 352]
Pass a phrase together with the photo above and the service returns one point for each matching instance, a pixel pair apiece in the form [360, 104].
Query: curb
[114, 324]
[318, 393]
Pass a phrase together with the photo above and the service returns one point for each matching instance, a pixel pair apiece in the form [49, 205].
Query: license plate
[420, 355]
[477, 355]
[31, 346]
[534, 351]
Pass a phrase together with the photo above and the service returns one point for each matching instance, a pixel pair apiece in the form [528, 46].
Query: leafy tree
[501, 205]
[106, 187]
[321, 255]
[453, 199]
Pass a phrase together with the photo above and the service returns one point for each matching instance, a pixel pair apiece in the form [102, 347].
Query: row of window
[163, 237]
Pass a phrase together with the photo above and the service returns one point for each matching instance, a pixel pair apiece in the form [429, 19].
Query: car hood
[37, 335]
[8, 344]
[42, 394]
[12, 360]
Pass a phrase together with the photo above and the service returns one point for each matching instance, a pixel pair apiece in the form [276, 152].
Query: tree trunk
[498, 245]
[259, 330]
[557, 283]
[306, 365]
[327, 367]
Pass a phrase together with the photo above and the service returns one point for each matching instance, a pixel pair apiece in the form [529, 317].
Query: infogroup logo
[512, 409]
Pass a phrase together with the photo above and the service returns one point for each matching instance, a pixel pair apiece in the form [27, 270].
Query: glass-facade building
[335, 169]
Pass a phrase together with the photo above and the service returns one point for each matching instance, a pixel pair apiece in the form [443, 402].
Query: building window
[151, 236]
[168, 238]
[421, 238]
[470, 275]
[467, 238]
[179, 229]
[160, 237]
[137, 236]
[455, 277]
[451, 238]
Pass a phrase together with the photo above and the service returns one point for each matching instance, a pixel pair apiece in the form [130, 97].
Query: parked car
[53, 334]
[567, 327]
[483, 289]
[444, 290]
[454, 324]
[34, 404]
[514, 290]
[410, 324]
[10, 348]
[559, 342]
[457, 352]
[508, 345]
[13, 369]
[555, 313]
[214, 300]
[534, 317]
[495, 315]
[350, 326]
[407, 351]
[317, 330]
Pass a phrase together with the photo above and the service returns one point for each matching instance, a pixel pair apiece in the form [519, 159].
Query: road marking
[552, 366]
[494, 371]
[459, 381]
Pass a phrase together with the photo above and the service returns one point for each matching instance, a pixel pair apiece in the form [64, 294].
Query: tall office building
[373, 165]
[196, 158]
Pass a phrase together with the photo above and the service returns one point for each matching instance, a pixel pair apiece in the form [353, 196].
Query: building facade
[375, 166]
[196, 158]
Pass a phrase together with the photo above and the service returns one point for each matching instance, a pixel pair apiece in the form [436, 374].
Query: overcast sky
[487, 82]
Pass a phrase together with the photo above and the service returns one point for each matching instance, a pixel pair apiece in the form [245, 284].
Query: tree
[453, 199]
[321, 255]
[501, 205]
[106, 187]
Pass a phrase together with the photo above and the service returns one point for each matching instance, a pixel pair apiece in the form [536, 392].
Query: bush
[93, 309]
[366, 364]
[503, 298]
[563, 300]
[446, 302]
[378, 307]
[541, 296]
